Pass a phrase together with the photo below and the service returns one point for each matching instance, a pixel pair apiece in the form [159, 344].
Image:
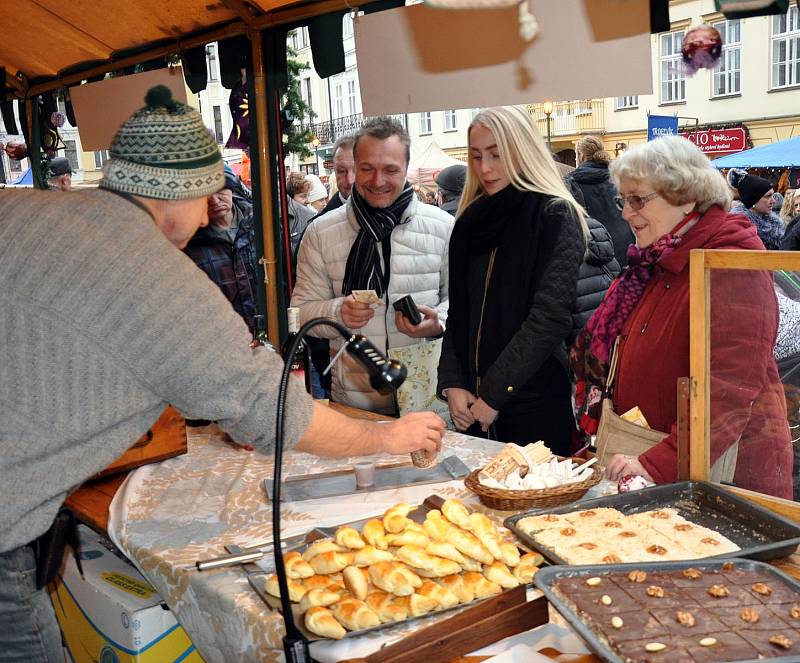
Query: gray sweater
[102, 323]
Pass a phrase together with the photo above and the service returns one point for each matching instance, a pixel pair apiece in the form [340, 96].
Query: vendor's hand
[414, 431]
[483, 413]
[621, 465]
[430, 325]
[459, 400]
[355, 314]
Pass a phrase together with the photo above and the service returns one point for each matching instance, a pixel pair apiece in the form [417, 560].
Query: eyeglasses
[636, 202]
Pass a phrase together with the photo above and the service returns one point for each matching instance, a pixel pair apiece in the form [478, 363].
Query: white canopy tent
[426, 162]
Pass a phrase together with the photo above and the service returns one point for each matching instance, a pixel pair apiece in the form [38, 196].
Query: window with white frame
[673, 83]
[100, 157]
[305, 90]
[218, 124]
[425, 123]
[631, 101]
[302, 37]
[338, 100]
[347, 25]
[727, 77]
[450, 121]
[786, 49]
[352, 101]
[211, 59]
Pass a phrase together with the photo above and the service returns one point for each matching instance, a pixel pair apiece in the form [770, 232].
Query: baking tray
[258, 573]
[546, 578]
[387, 477]
[760, 533]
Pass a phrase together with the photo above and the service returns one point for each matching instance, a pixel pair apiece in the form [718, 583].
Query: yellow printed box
[112, 614]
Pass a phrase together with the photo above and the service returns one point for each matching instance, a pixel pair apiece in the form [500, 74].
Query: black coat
[518, 364]
[592, 188]
[791, 237]
[598, 270]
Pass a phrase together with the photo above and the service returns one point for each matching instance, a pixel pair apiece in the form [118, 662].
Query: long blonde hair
[787, 211]
[525, 157]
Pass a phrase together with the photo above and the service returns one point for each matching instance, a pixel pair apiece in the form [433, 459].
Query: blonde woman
[515, 252]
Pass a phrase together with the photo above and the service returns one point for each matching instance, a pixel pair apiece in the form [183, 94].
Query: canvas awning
[426, 163]
[781, 154]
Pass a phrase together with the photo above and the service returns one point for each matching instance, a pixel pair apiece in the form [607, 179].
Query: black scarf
[363, 270]
[505, 221]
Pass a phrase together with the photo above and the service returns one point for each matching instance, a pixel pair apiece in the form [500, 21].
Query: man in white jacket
[384, 240]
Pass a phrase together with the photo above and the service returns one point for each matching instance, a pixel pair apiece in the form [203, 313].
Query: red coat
[747, 399]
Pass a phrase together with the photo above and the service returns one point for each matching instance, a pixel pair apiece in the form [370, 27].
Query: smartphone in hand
[409, 309]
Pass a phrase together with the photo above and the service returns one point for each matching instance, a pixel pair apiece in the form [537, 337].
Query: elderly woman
[676, 201]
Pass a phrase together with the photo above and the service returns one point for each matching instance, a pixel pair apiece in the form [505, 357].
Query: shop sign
[712, 141]
[661, 125]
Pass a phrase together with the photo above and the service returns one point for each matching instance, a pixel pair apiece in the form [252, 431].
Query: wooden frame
[701, 262]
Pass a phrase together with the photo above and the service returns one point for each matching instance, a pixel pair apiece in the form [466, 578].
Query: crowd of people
[544, 292]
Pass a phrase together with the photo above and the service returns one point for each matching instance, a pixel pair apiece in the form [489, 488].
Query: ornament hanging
[702, 48]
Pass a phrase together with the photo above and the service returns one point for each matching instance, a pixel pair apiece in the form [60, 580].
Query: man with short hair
[225, 249]
[450, 184]
[60, 174]
[345, 171]
[383, 239]
[105, 322]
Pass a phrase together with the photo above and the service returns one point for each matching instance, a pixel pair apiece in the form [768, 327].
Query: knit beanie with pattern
[164, 151]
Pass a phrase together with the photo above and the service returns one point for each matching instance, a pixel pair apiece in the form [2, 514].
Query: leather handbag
[617, 436]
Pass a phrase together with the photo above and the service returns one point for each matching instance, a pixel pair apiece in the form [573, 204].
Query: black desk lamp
[386, 375]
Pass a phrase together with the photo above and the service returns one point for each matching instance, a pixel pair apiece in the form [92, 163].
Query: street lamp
[547, 107]
[315, 142]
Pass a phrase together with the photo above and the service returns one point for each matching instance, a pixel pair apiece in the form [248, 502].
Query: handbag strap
[612, 369]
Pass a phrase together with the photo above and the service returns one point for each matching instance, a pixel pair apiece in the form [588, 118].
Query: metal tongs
[251, 553]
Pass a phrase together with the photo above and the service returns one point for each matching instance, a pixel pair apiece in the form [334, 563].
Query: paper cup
[365, 474]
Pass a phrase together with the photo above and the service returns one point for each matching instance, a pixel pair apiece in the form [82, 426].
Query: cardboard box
[113, 614]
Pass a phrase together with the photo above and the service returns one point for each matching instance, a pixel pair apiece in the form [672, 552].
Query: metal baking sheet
[343, 482]
[760, 533]
[546, 578]
[257, 573]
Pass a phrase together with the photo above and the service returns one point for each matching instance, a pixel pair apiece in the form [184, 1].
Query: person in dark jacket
[791, 215]
[450, 184]
[514, 258]
[592, 188]
[225, 249]
[756, 197]
[344, 168]
[597, 272]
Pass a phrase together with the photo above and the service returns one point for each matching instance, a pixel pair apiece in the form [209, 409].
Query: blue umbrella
[782, 154]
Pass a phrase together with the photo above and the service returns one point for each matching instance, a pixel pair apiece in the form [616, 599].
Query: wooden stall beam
[271, 281]
[699, 401]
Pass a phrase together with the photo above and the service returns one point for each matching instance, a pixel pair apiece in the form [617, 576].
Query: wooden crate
[165, 439]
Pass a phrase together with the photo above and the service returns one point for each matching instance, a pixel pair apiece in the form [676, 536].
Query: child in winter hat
[164, 151]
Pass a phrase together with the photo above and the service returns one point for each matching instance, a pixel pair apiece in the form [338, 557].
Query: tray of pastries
[680, 612]
[406, 563]
[688, 520]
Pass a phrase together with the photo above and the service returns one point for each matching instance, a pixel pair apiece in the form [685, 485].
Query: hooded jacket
[747, 398]
[598, 270]
[592, 188]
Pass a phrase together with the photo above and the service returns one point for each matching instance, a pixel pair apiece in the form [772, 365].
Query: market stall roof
[782, 154]
[46, 42]
[426, 163]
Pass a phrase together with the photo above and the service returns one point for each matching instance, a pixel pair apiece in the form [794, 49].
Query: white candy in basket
[551, 474]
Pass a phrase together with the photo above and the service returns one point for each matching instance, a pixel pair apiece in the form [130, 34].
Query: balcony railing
[571, 117]
[328, 132]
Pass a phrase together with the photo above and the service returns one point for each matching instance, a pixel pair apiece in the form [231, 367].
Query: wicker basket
[522, 500]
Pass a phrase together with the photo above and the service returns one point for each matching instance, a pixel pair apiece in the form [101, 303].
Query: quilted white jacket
[418, 268]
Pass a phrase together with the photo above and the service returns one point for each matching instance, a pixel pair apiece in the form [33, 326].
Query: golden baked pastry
[383, 605]
[354, 614]
[296, 567]
[480, 586]
[356, 581]
[444, 597]
[416, 605]
[348, 537]
[316, 597]
[394, 578]
[369, 555]
[320, 621]
[455, 511]
[448, 551]
[469, 545]
[330, 562]
[395, 520]
[296, 588]
[455, 584]
[322, 546]
[498, 573]
[375, 534]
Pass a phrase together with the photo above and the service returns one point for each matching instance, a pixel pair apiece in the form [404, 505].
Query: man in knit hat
[450, 184]
[104, 323]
